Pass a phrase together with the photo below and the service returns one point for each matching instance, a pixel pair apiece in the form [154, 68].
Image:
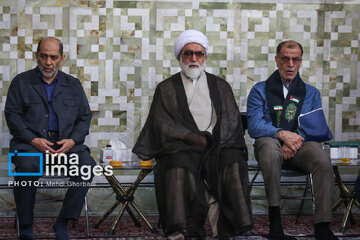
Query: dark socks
[26, 232]
[60, 228]
[323, 232]
[276, 230]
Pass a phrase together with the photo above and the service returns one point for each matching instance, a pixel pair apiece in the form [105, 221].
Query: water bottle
[106, 154]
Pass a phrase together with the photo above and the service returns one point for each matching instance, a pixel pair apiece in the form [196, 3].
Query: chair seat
[292, 173]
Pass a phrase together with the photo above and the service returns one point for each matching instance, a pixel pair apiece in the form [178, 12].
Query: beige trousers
[309, 158]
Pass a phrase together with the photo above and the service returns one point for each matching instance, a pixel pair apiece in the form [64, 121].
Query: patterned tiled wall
[120, 50]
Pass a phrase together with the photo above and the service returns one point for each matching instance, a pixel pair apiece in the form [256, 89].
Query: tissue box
[123, 155]
[342, 149]
[121, 151]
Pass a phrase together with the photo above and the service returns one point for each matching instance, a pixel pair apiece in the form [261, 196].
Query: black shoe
[26, 232]
[25, 237]
[283, 237]
[323, 232]
[60, 232]
[276, 230]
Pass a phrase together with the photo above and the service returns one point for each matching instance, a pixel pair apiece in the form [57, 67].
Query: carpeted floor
[127, 230]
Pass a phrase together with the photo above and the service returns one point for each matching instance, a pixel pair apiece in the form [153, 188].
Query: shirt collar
[287, 85]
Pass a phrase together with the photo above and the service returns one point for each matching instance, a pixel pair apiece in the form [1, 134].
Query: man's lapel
[214, 96]
[61, 84]
[38, 84]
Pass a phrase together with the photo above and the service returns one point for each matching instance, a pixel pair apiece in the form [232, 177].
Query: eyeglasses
[287, 59]
[190, 53]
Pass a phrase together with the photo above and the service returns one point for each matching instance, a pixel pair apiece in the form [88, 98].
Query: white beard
[191, 72]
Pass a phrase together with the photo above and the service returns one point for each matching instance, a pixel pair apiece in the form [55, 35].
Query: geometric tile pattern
[121, 50]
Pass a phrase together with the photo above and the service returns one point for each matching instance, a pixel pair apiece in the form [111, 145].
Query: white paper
[121, 152]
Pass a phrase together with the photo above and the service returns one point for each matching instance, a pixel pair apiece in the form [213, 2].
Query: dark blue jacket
[27, 112]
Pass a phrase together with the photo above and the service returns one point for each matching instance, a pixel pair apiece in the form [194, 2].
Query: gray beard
[45, 74]
[192, 73]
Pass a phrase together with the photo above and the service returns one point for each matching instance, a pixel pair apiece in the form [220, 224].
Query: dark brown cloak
[163, 138]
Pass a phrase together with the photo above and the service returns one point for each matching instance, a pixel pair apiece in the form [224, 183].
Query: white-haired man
[194, 133]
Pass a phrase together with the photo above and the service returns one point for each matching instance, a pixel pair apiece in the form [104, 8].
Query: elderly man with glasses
[194, 133]
[273, 108]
